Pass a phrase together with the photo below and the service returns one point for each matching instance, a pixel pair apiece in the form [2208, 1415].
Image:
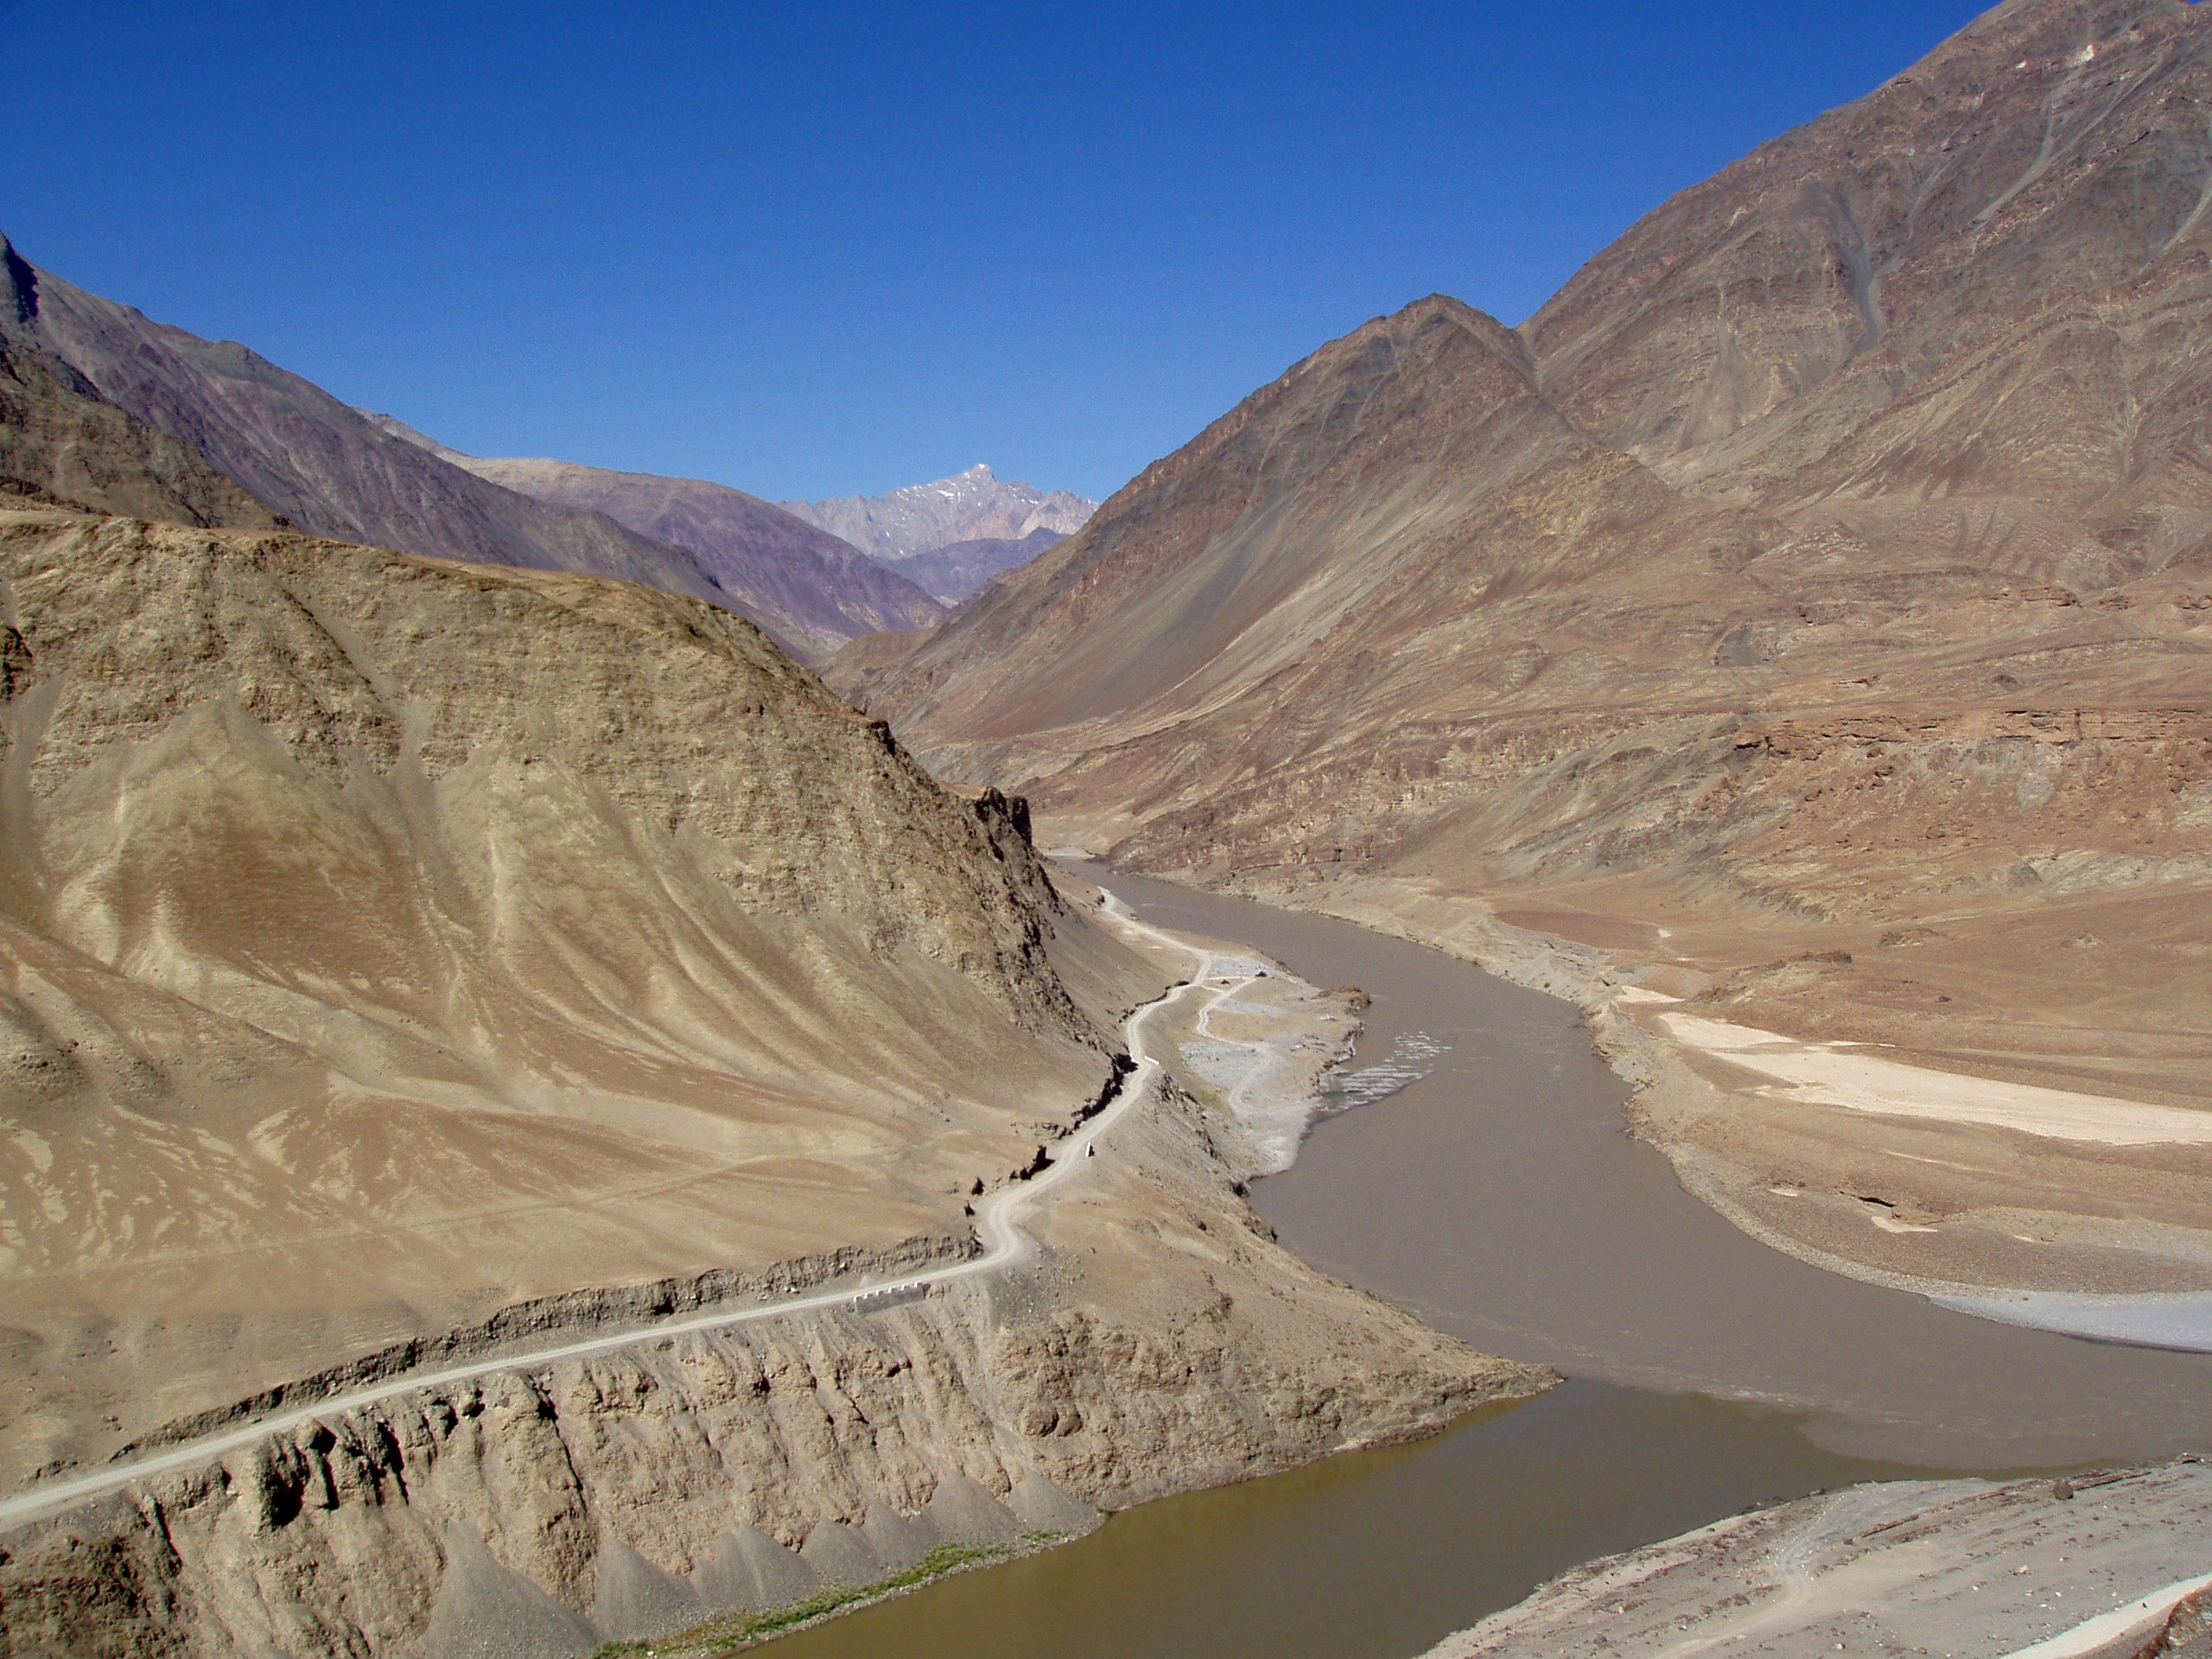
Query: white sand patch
[1267, 1089]
[1891, 1224]
[1846, 1075]
[1637, 994]
[2179, 1319]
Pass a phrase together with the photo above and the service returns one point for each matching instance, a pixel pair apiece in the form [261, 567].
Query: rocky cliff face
[821, 589]
[1829, 558]
[1160, 1343]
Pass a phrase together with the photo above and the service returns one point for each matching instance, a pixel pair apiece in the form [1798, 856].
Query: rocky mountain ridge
[61, 442]
[957, 571]
[309, 457]
[362, 477]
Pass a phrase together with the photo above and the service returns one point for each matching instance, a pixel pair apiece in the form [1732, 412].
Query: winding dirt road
[997, 1230]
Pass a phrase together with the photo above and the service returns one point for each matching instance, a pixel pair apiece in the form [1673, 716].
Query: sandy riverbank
[1958, 1176]
[1264, 1052]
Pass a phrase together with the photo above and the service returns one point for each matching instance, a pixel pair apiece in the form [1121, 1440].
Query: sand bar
[1858, 1079]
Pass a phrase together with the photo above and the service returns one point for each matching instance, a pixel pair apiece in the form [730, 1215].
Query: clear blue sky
[815, 250]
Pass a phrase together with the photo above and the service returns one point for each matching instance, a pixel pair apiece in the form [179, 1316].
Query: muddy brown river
[1500, 1197]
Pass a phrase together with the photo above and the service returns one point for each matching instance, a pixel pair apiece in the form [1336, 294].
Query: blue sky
[814, 251]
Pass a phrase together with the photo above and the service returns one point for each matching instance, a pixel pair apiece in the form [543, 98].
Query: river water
[1500, 1197]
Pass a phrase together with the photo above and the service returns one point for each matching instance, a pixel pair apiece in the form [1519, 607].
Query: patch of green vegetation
[734, 1631]
[1207, 1094]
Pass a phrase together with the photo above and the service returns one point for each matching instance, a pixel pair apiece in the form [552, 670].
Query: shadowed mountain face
[59, 441]
[823, 590]
[1830, 556]
[977, 524]
[959, 570]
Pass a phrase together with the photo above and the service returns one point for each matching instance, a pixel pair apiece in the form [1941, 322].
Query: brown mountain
[823, 590]
[417, 939]
[322, 465]
[59, 441]
[1807, 609]
[406, 964]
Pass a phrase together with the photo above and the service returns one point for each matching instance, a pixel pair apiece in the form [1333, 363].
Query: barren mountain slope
[1987, 278]
[1218, 567]
[387, 941]
[822, 590]
[1412, 634]
[59, 441]
[403, 961]
[325, 466]
[960, 571]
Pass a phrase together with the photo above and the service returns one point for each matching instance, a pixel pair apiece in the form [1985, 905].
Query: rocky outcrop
[2094, 1565]
[425, 941]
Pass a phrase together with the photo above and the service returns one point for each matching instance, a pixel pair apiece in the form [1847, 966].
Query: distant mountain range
[955, 535]
[307, 456]
[219, 435]
[821, 591]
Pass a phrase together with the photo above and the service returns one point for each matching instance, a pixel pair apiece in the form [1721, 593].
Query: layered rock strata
[1160, 1342]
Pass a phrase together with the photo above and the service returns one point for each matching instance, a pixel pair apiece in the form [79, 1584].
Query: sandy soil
[1264, 1050]
[1849, 1076]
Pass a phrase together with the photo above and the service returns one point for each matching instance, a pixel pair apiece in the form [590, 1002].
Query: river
[1501, 1197]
